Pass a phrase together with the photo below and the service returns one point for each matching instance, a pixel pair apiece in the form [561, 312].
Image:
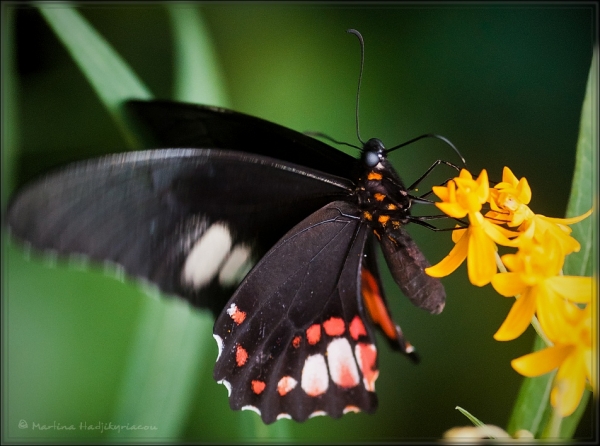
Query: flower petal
[452, 261]
[518, 318]
[542, 361]
[481, 261]
[574, 288]
[569, 383]
[508, 284]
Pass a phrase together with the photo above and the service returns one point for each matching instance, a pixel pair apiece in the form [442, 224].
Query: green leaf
[472, 418]
[172, 342]
[532, 409]
[195, 80]
[583, 198]
[110, 76]
[585, 182]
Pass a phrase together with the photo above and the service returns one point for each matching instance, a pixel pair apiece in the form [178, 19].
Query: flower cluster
[562, 303]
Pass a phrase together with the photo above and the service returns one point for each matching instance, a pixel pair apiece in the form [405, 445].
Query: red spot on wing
[241, 355]
[376, 306]
[313, 334]
[258, 386]
[236, 314]
[346, 379]
[357, 328]
[296, 341]
[334, 326]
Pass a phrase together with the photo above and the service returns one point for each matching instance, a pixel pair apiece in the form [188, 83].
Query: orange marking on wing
[258, 386]
[357, 328]
[375, 305]
[334, 326]
[374, 176]
[379, 197]
[392, 207]
[241, 355]
[367, 216]
[313, 334]
[368, 359]
[296, 341]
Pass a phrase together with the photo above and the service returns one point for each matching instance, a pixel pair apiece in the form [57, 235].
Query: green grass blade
[110, 76]
[532, 408]
[195, 79]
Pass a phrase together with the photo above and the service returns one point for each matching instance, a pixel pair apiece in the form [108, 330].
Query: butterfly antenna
[362, 64]
[431, 135]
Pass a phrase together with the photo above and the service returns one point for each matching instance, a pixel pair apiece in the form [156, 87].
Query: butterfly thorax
[382, 197]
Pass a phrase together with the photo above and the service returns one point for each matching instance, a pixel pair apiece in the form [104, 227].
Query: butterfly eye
[371, 158]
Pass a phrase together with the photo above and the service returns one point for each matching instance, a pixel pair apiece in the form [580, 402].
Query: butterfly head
[373, 152]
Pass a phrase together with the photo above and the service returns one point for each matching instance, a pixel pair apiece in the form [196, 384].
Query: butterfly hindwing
[187, 220]
[294, 340]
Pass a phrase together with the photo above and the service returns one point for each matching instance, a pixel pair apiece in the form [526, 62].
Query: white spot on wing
[252, 408]
[227, 385]
[284, 415]
[206, 256]
[315, 379]
[317, 413]
[342, 365]
[236, 266]
[286, 385]
[219, 344]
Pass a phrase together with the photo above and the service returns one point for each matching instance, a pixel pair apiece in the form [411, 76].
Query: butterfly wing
[294, 340]
[178, 124]
[188, 220]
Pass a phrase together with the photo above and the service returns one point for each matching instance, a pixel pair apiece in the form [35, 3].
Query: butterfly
[295, 332]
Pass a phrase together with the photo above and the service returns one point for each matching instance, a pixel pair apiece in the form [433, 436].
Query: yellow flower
[509, 200]
[508, 203]
[464, 196]
[534, 276]
[569, 327]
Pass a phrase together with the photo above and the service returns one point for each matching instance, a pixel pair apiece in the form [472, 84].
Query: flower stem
[552, 430]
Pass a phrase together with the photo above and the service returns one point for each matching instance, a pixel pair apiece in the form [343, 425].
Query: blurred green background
[504, 82]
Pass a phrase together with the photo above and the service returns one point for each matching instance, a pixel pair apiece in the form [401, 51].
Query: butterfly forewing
[294, 339]
[177, 218]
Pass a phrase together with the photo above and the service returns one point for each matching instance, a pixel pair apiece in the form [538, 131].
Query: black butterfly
[295, 337]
